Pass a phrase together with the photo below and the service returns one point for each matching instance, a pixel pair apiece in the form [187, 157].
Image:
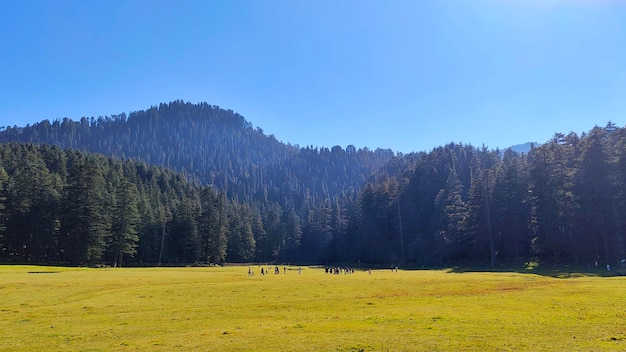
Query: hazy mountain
[213, 146]
[524, 148]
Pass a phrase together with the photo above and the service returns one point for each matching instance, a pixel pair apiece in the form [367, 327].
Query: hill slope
[213, 146]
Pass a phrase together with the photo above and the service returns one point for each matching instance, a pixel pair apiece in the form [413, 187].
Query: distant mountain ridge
[524, 148]
[213, 146]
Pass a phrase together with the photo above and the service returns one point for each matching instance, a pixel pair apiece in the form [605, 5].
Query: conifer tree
[3, 179]
[451, 240]
[184, 240]
[292, 232]
[241, 243]
[124, 222]
[213, 229]
[84, 224]
[511, 209]
[592, 189]
[479, 218]
[32, 219]
[551, 197]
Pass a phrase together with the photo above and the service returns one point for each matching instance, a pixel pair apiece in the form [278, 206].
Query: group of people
[339, 270]
[266, 271]
[608, 266]
[336, 270]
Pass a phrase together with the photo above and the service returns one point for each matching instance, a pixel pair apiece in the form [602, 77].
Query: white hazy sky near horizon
[404, 75]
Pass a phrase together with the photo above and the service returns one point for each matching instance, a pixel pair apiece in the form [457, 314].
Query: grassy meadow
[223, 309]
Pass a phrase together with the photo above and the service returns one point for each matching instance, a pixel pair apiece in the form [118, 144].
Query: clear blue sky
[406, 75]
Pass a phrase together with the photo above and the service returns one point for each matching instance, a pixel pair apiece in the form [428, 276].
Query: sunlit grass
[222, 309]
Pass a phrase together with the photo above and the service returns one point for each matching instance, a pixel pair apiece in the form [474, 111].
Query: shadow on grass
[559, 272]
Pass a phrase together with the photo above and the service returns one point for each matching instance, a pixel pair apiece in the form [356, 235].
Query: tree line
[187, 183]
[76, 208]
[562, 202]
[63, 206]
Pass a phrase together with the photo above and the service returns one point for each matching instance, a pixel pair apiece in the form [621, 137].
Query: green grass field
[222, 309]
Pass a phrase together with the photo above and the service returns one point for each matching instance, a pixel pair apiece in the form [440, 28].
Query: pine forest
[195, 184]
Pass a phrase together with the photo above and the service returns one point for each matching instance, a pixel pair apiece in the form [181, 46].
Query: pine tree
[241, 244]
[124, 222]
[479, 217]
[511, 209]
[84, 224]
[593, 194]
[551, 197]
[256, 226]
[184, 240]
[451, 240]
[292, 232]
[212, 226]
[274, 241]
[3, 179]
[32, 214]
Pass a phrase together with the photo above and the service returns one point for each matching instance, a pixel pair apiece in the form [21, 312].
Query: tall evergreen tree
[213, 229]
[511, 209]
[184, 240]
[592, 187]
[32, 221]
[273, 242]
[618, 167]
[292, 232]
[256, 226]
[373, 241]
[551, 197]
[84, 224]
[3, 179]
[479, 217]
[241, 243]
[451, 241]
[124, 223]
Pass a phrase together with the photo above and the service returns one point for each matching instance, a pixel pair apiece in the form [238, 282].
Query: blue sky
[405, 75]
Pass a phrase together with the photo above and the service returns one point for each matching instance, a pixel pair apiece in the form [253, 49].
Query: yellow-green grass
[222, 309]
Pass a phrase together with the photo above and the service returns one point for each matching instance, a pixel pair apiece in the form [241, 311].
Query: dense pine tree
[511, 209]
[242, 196]
[84, 222]
[593, 196]
[451, 240]
[3, 179]
[124, 223]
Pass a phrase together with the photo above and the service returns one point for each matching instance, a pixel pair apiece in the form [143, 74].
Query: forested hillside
[73, 207]
[293, 189]
[216, 147]
[239, 195]
[563, 202]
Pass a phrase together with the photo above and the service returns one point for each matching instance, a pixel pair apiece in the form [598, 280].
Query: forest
[183, 184]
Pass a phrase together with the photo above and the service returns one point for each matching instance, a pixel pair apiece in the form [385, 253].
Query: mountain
[215, 147]
[240, 195]
[524, 148]
[295, 200]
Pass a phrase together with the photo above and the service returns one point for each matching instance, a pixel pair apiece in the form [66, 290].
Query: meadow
[224, 309]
